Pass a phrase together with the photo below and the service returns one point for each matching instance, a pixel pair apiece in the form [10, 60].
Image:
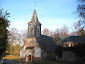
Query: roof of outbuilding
[74, 39]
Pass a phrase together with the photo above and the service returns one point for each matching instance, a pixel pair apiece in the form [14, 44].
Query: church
[37, 46]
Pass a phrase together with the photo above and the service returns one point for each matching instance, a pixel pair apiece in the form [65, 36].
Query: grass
[11, 57]
[46, 62]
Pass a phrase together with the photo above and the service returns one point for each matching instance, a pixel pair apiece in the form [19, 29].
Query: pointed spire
[34, 18]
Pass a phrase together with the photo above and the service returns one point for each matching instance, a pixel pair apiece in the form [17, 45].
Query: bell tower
[34, 26]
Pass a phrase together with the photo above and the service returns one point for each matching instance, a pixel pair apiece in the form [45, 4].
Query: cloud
[19, 25]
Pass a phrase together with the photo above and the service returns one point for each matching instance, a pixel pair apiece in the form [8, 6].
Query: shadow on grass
[49, 62]
[38, 62]
[7, 61]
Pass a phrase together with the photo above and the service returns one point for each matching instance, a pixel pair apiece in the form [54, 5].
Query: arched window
[31, 30]
[38, 30]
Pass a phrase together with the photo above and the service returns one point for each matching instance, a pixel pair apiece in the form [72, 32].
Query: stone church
[37, 46]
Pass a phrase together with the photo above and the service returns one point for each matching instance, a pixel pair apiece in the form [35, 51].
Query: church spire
[34, 19]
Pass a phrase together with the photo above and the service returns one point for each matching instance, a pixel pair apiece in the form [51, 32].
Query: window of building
[65, 44]
[70, 44]
[38, 30]
[31, 30]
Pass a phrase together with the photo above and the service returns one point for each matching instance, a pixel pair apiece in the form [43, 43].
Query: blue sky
[51, 13]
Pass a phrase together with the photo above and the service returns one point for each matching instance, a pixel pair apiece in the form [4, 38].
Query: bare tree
[46, 31]
[78, 29]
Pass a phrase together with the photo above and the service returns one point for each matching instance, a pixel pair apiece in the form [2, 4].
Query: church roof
[46, 43]
[34, 19]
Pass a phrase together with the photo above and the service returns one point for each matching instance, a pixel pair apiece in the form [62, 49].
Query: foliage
[81, 14]
[78, 29]
[81, 8]
[58, 51]
[58, 34]
[46, 31]
[4, 23]
[15, 49]
[15, 41]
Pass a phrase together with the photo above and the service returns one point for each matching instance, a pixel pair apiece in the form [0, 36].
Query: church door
[29, 58]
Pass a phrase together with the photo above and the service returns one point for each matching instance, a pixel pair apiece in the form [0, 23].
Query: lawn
[46, 62]
[11, 57]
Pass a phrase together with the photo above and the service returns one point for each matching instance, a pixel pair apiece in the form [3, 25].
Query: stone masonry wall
[68, 56]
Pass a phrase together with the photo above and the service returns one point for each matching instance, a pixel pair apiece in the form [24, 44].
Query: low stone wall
[68, 56]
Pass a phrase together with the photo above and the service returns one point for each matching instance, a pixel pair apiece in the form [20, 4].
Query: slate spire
[34, 19]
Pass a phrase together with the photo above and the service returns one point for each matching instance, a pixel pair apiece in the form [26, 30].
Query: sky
[52, 14]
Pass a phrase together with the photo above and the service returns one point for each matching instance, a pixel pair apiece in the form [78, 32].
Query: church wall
[37, 54]
[22, 54]
[37, 59]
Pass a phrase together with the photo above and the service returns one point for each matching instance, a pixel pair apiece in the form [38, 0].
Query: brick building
[73, 40]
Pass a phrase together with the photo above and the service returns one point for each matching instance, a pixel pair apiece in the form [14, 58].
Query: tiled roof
[46, 43]
[74, 39]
